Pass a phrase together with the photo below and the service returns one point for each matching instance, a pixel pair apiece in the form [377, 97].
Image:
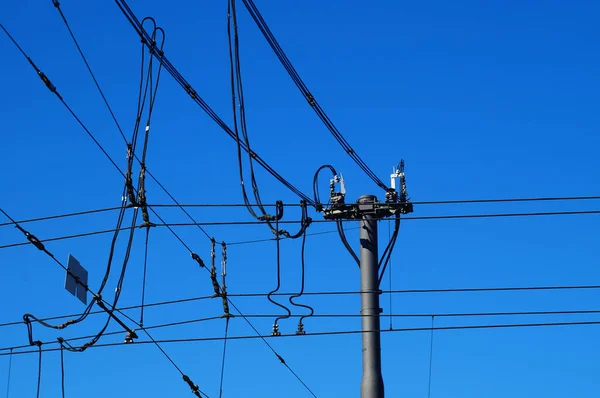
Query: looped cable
[312, 311]
[275, 331]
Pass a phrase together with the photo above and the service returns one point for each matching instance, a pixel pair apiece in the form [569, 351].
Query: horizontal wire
[331, 333]
[336, 293]
[239, 223]
[209, 205]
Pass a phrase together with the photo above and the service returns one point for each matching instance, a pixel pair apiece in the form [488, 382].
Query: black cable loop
[317, 199]
[276, 323]
[299, 294]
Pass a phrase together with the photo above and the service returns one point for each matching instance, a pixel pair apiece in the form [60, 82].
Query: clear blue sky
[482, 99]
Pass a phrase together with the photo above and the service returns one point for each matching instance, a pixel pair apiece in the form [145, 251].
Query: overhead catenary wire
[340, 333]
[210, 205]
[336, 293]
[170, 226]
[335, 316]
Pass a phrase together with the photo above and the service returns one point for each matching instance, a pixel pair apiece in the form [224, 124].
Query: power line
[336, 293]
[199, 101]
[338, 333]
[264, 28]
[170, 226]
[211, 205]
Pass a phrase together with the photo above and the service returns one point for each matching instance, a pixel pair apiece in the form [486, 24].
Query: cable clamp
[198, 259]
[193, 386]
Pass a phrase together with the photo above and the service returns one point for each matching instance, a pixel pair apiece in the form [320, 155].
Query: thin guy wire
[8, 376]
[430, 357]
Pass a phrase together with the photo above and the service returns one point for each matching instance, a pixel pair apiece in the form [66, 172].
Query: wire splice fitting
[193, 386]
[197, 259]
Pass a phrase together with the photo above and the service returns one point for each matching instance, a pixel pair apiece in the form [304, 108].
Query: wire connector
[197, 258]
[193, 387]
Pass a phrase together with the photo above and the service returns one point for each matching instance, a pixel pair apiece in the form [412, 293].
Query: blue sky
[481, 100]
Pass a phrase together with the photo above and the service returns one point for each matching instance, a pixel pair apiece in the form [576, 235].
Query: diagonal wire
[8, 375]
[57, 5]
[430, 357]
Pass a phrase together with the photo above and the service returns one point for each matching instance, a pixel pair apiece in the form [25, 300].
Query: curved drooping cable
[317, 198]
[387, 253]
[299, 294]
[239, 119]
[278, 260]
[342, 233]
[264, 29]
[170, 68]
[146, 90]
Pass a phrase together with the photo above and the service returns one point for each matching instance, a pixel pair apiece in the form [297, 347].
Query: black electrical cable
[62, 368]
[128, 13]
[52, 88]
[223, 359]
[279, 357]
[340, 333]
[387, 253]
[39, 377]
[390, 280]
[325, 293]
[262, 25]
[278, 261]
[299, 294]
[238, 111]
[87, 65]
[341, 231]
[59, 216]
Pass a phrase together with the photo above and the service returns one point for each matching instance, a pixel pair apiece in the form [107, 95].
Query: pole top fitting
[367, 199]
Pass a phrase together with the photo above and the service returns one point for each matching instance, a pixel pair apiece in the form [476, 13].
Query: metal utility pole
[372, 379]
[368, 210]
